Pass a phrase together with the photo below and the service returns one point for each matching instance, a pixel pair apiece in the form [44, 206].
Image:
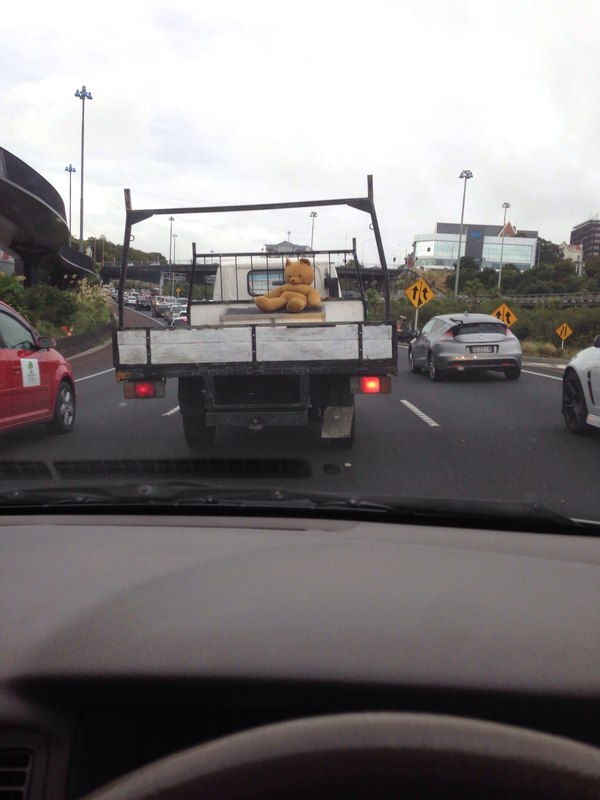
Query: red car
[36, 381]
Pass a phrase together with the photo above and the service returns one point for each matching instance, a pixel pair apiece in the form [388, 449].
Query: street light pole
[171, 220]
[466, 174]
[70, 169]
[173, 265]
[313, 214]
[83, 96]
[505, 206]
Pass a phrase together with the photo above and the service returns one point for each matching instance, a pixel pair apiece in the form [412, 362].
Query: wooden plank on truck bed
[377, 342]
[318, 343]
[185, 346]
[201, 345]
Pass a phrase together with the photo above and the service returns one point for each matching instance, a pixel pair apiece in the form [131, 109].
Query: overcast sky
[198, 103]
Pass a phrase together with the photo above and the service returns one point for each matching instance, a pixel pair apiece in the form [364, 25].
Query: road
[468, 436]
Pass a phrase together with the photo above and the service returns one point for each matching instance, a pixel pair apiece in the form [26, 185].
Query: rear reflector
[143, 389]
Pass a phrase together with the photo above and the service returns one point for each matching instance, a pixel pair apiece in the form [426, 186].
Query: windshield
[247, 237]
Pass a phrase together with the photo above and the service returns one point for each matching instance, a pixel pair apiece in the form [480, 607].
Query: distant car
[174, 310]
[465, 342]
[131, 298]
[180, 321]
[36, 381]
[581, 390]
[143, 304]
[403, 329]
[156, 301]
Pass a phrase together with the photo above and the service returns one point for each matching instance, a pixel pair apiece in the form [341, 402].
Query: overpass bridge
[400, 278]
[33, 226]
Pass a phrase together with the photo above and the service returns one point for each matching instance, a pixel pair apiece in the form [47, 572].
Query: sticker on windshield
[30, 370]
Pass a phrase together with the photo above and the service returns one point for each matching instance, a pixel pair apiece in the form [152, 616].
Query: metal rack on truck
[239, 366]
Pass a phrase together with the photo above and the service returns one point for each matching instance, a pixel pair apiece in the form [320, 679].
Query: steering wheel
[371, 756]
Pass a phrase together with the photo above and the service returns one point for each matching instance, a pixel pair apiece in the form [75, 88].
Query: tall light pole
[313, 214]
[171, 220]
[83, 96]
[466, 174]
[174, 243]
[70, 169]
[505, 206]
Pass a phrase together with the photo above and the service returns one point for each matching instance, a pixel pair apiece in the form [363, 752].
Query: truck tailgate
[356, 343]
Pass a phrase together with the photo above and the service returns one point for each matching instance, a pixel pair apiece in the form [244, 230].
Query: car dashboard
[127, 638]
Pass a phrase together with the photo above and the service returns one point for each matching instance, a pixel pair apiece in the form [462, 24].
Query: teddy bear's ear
[288, 261]
[306, 261]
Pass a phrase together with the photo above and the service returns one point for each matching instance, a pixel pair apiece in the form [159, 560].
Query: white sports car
[581, 390]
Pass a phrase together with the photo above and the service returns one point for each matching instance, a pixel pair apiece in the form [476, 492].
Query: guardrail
[532, 300]
[77, 343]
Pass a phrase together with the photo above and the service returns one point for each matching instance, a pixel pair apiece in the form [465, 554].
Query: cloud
[240, 103]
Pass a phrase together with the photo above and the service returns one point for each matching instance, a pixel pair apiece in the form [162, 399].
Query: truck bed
[263, 346]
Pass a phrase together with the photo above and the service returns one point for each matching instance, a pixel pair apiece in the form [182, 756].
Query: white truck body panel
[227, 314]
[234, 344]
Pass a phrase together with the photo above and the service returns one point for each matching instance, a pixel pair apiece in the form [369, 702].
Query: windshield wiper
[193, 494]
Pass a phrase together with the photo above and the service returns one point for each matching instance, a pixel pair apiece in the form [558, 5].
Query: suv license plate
[483, 349]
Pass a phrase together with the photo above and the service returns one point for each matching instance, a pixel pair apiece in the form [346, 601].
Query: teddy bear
[296, 294]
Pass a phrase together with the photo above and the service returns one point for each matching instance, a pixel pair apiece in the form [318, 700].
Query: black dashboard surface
[127, 640]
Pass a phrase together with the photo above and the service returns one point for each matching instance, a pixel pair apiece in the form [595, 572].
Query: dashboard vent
[15, 774]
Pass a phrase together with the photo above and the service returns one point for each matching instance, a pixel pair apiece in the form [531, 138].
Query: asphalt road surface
[470, 436]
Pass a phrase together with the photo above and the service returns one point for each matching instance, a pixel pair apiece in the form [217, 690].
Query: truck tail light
[144, 390]
[371, 384]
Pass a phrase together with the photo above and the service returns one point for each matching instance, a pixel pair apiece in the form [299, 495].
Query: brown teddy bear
[296, 294]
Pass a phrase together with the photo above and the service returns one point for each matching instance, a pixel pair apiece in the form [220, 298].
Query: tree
[548, 252]
[469, 270]
[592, 267]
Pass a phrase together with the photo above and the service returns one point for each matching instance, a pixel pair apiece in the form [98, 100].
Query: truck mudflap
[338, 422]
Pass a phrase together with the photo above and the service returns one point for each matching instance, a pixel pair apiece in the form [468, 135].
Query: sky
[229, 102]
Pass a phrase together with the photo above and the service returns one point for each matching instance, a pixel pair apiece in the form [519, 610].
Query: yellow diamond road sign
[419, 293]
[504, 314]
[564, 331]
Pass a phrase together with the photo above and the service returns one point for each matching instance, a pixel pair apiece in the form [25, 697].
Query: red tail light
[145, 389]
[371, 385]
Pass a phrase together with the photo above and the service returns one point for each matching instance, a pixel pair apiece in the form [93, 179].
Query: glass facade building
[482, 243]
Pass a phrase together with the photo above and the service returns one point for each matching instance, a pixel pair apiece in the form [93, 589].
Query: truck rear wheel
[197, 434]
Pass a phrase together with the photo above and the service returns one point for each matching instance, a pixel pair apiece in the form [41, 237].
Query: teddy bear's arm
[276, 292]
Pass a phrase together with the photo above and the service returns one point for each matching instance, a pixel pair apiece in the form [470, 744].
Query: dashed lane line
[432, 423]
[95, 375]
[542, 375]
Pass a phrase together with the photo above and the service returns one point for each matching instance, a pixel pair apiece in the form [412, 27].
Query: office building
[488, 245]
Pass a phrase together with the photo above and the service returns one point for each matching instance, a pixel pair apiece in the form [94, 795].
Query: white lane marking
[420, 414]
[171, 412]
[95, 375]
[541, 375]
